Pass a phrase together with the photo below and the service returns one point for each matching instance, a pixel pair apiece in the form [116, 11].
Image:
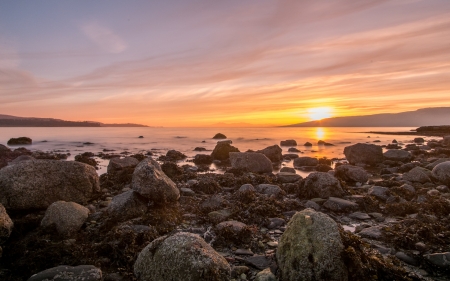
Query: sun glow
[318, 113]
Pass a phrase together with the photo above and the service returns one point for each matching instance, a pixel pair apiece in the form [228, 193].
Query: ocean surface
[159, 140]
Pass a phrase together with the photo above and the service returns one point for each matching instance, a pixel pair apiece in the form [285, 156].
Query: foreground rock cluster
[379, 215]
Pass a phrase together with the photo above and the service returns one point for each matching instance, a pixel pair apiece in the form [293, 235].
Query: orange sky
[199, 63]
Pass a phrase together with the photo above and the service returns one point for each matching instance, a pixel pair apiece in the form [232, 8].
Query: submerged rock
[362, 153]
[311, 249]
[182, 256]
[253, 162]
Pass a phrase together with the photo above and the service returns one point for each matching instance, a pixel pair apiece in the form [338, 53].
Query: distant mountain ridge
[16, 121]
[417, 118]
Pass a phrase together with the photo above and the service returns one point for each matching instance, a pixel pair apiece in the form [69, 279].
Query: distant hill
[420, 117]
[15, 121]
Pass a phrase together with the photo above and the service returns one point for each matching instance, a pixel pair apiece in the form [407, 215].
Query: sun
[318, 113]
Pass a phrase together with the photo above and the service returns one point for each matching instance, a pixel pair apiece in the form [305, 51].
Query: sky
[198, 63]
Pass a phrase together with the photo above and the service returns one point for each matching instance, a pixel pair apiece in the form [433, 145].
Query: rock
[288, 143]
[182, 256]
[273, 153]
[38, 183]
[213, 203]
[219, 136]
[222, 151]
[269, 189]
[4, 149]
[323, 185]
[6, 225]
[373, 232]
[199, 149]
[311, 249]
[362, 153]
[437, 162]
[340, 205]
[187, 191]
[253, 162]
[446, 140]
[288, 170]
[407, 259]
[276, 223]
[293, 149]
[68, 217]
[351, 173]
[202, 159]
[151, 182]
[219, 216]
[307, 144]
[246, 188]
[397, 155]
[419, 140]
[69, 273]
[290, 156]
[442, 173]
[312, 205]
[21, 158]
[244, 252]
[418, 174]
[265, 275]
[359, 216]
[173, 155]
[234, 227]
[127, 205]
[441, 260]
[118, 164]
[380, 192]
[288, 177]
[20, 141]
[305, 161]
[259, 261]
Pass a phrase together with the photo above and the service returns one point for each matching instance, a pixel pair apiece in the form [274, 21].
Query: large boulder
[118, 164]
[273, 153]
[418, 174]
[20, 141]
[127, 205]
[152, 183]
[253, 162]
[305, 161]
[182, 256]
[311, 249]
[350, 173]
[397, 155]
[442, 173]
[66, 273]
[323, 185]
[222, 150]
[6, 225]
[362, 153]
[38, 183]
[68, 217]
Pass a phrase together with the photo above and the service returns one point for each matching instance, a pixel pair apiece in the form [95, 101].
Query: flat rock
[69, 273]
[288, 170]
[359, 216]
[340, 205]
[373, 232]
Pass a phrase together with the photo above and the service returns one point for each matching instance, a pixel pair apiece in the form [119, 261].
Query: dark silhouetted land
[15, 121]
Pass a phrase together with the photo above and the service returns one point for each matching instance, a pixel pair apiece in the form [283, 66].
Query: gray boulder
[418, 174]
[311, 248]
[362, 153]
[253, 162]
[340, 205]
[182, 256]
[350, 173]
[380, 192]
[323, 185]
[446, 140]
[21, 158]
[68, 217]
[222, 150]
[273, 153]
[265, 275]
[441, 260]
[127, 205]
[69, 273]
[117, 164]
[151, 182]
[305, 161]
[38, 183]
[437, 162]
[442, 173]
[397, 155]
[6, 225]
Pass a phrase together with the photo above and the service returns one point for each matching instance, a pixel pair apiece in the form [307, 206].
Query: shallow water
[158, 140]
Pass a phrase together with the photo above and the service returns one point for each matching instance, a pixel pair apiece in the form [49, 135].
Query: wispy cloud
[104, 37]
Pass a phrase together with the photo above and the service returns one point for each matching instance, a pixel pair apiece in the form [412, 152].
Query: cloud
[104, 37]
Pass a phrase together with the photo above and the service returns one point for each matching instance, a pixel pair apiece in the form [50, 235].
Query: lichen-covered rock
[364, 154]
[350, 173]
[323, 185]
[68, 217]
[442, 173]
[38, 183]
[222, 150]
[118, 164]
[397, 155]
[152, 183]
[311, 249]
[69, 273]
[253, 162]
[6, 225]
[418, 174]
[182, 256]
[273, 153]
[305, 161]
[127, 205]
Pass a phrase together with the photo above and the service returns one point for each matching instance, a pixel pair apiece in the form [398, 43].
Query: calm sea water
[159, 140]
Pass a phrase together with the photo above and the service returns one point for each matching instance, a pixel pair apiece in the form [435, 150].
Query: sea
[126, 140]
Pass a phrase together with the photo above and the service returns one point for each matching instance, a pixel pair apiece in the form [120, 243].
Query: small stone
[244, 252]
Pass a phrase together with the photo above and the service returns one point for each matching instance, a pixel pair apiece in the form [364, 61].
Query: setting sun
[318, 113]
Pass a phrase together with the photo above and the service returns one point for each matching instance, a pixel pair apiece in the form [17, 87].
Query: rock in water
[288, 143]
[305, 161]
[20, 141]
[151, 182]
[182, 256]
[311, 248]
[323, 185]
[38, 183]
[364, 154]
[253, 162]
[118, 164]
[442, 173]
[66, 273]
[273, 153]
[6, 225]
[222, 150]
[68, 217]
[219, 136]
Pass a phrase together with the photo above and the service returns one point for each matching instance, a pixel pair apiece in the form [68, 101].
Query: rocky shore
[383, 214]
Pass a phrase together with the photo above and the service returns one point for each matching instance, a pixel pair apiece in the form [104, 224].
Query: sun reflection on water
[320, 133]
